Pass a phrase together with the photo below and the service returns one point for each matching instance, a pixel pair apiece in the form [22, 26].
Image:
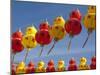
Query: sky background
[25, 14]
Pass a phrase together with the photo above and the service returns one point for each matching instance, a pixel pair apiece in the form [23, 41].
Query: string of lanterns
[55, 32]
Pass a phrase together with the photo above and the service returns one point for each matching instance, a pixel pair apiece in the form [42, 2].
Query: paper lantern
[59, 21]
[89, 22]
[31, 30]
[61, 65]
[73, 28]
[72, 65]
[76, 14]
[50, 67]
[83, 64]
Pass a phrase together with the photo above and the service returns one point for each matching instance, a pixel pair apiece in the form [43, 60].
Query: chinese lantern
[76, 14]
[16, 42]
[57, 30]
[89, 22]
[73, 28]
[42, 36]
[29, 42]
[28, 39]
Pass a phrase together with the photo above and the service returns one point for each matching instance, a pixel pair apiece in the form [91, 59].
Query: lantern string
[51, 48]
[86, 40]
[26, 55]
[41, 51]
[13, 58]
[69, 44]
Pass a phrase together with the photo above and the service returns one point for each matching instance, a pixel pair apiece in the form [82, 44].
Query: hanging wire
[41, 50]
[52, 47]
[69, 44]
[86, 39]
[27, 51]
[13, 57]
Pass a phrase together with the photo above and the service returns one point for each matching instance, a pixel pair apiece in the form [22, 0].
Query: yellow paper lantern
[57, 32]
[92, 9]
[83, 60]
[41, 64]
[31, 30]
[61, 65]
[83, 64]
[89, 21]
[59, 21]
[41, 67]
[29, 41]
[20, 68]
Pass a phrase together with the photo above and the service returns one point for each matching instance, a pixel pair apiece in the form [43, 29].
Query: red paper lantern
[50, 67]
[72, 65]
[73, 27]
[13, 70]
[75, 14]
[31, 64]
[17, 34]
[93, 63]
[44, 25]
[93, 59]
[17, 45]
[42, 36]
[72, 61]
[30, 68]
[16, 41]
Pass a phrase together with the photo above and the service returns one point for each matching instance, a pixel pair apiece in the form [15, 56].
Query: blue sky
[27, 13]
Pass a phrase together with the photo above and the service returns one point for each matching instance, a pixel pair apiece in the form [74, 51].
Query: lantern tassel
[51, 47]
[86, 40]
[26, 55]
[41, 51]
